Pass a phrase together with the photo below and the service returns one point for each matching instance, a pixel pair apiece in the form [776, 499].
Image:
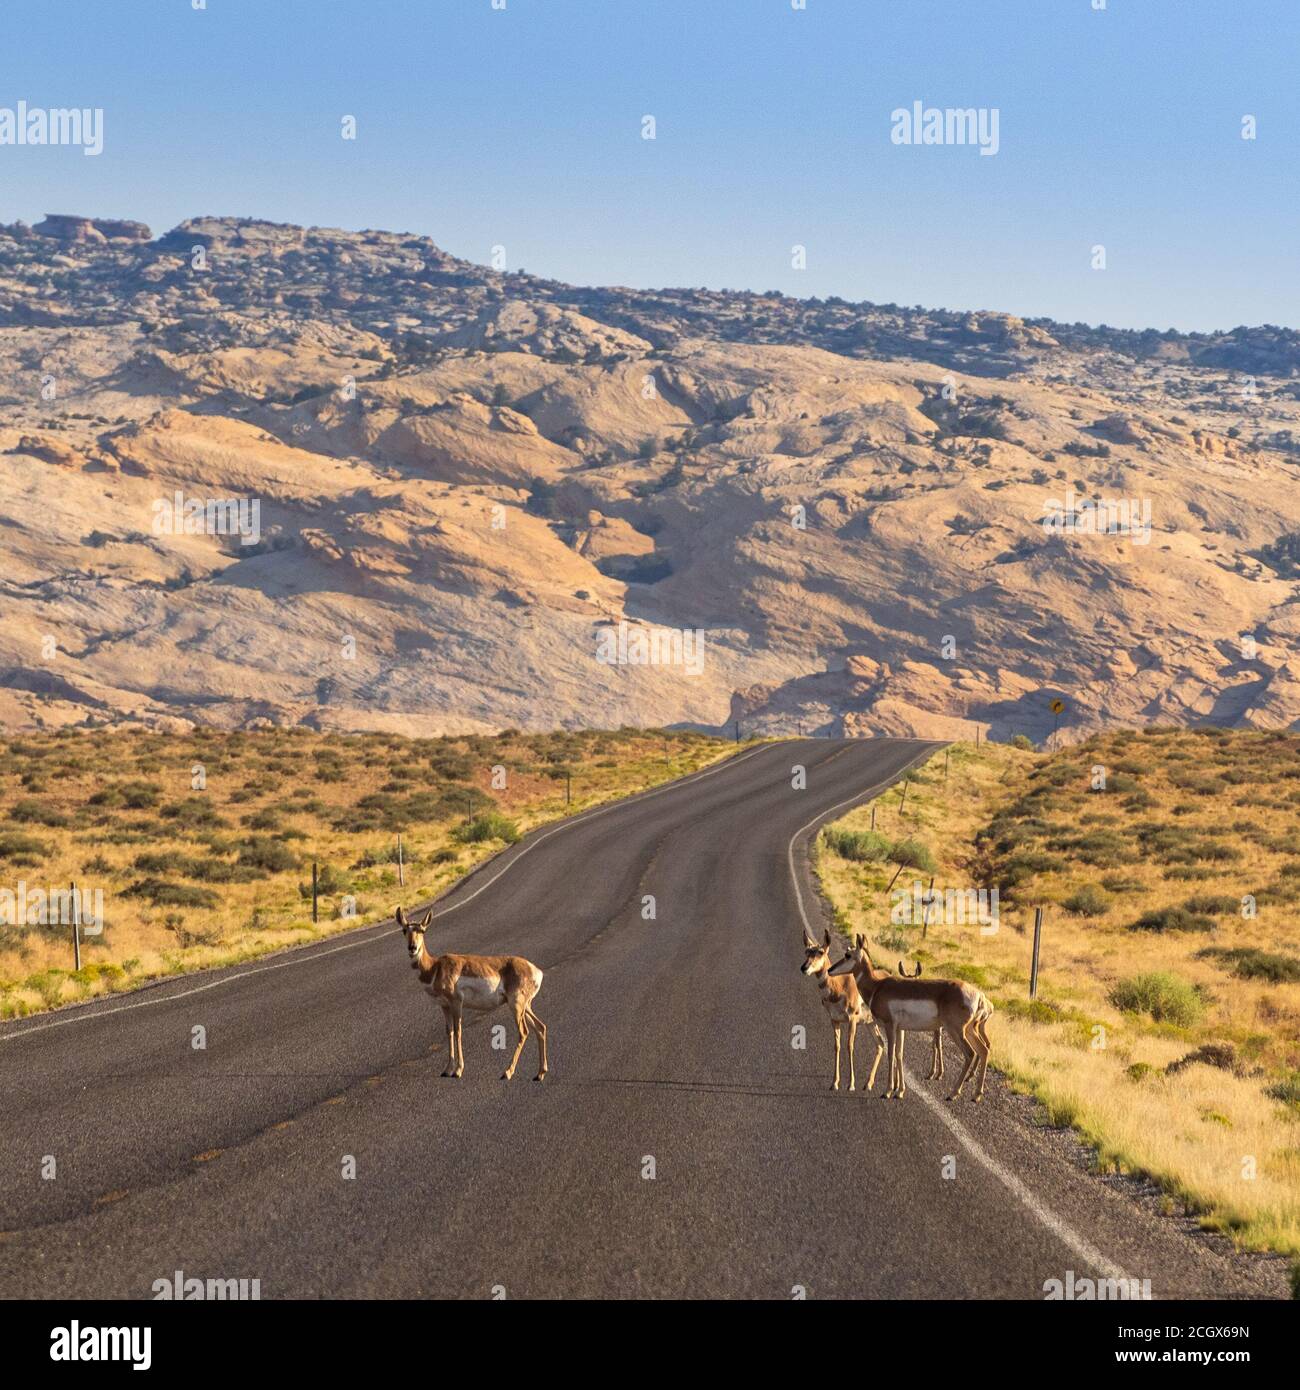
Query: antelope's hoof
[541, 1076]
[449, 1073]
[505, 1076]
[835, 1085]
[852, 1087]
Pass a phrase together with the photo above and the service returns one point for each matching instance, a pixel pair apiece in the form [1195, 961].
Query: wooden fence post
[401, 867]
[315, 910]
[925, 917]
[1038, 937]
[76, 927]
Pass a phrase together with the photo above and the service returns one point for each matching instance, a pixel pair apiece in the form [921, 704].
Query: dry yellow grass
[195, 876]
[1205, 816]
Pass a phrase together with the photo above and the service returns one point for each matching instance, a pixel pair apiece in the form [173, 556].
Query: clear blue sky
[523, 127]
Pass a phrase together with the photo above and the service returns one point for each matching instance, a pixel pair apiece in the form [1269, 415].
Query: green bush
[492, 826]
[1172, 919]
[163, 894]
[1164, 997]
[912, 854]
[1023, 741]
[36, 813]
[271, 855]
[1088, 901]
[329, 882]
[861, 846]
[1287, 1090]
[1250, 963]
[1213, 904]
[23, 851]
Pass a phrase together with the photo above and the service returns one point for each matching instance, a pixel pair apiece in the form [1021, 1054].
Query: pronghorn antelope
[843, 1002]
[921, 1005]
[481, 983]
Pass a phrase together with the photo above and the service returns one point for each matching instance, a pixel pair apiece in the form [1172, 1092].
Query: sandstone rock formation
[465, 480]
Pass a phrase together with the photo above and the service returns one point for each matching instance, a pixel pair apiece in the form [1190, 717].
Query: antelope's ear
[400, 916]
[859, 941]
[428, 917]
[826, 940]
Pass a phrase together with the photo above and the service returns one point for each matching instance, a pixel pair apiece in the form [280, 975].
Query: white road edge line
[380, 936]
[1067, 1235]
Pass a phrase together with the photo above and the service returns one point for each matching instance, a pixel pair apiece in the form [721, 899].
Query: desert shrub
[861, 846]
[1213, 904]
[1088, 901]
[1097, 847]
[1023, 741]
[36, 813]
[492, 826]
[23, 851]
[1162, 996]
[912, 854]
[271, 855]
[1117, 883]
[131, 796]
[1288, 1092]
[193, 812]
[1163, 919]
[1249, 963]
[163, 894]
[329, 882]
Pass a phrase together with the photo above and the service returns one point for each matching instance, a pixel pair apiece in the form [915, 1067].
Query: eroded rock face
[251, 472]
[91, 230]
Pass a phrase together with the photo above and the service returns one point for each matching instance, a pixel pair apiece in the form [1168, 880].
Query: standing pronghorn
[843, 1001]
[481, 983]
[921, 1005]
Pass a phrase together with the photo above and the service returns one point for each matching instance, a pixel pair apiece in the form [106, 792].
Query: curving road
[670, 1041]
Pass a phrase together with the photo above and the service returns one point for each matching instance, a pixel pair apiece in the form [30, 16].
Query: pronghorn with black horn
[921, 1006]
[936, 1062]
[481, 983]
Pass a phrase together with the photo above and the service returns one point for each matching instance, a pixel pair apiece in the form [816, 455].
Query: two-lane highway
[683, 1145]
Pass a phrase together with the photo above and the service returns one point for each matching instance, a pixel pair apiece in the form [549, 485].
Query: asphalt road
[671, 1046]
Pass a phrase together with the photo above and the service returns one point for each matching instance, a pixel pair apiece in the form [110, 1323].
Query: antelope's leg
[460, 1043]
[541, 1043]
[938, 1053]
[969, 1050]
[835, 1028]
[891, 1037]
[985, 1049]
[880, 1052]
[521, 1026]
[853, 1042]
[451, 1042]
[902, 1082]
